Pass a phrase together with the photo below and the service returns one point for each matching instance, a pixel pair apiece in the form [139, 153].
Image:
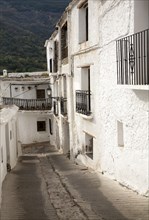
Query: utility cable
[29, 89]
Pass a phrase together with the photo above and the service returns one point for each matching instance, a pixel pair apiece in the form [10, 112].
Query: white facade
[112, 137]
[29, 92]
[58, 69]
[8, 140]
[27, 127]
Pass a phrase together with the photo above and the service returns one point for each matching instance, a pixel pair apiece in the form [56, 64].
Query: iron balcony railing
[63, 103]
[133, 59]
[29, 104]
[83, 102]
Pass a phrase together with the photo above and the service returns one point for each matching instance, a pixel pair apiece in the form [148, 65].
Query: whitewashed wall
[60, 136]
[3, 157]
[93, 27]
[27, 127]
[126, 164]
[22, 91]
[110, 103]
[8, 140]
[50, 49]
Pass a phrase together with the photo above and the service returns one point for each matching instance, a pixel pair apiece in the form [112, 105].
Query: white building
[58, 68]
[8, 140]
[29, 91]
[103, 60]
[25, 115]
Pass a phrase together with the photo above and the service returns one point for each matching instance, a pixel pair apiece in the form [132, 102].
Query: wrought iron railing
[29, 104]
[83, 102]
[63, 102]
[133, 59]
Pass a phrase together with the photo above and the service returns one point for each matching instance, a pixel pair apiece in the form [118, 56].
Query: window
[83, 96]
[2, 156]
[132, 59]
[64, 87]
[120, 135]
[41, 126]
[64, 42]
[40, 93]
[83, 21]
[51, 67]
[55, 56]
[89, 145]
[50, 126]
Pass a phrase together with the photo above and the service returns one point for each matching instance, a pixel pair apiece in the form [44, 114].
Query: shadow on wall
[142, 95]
[141, 14]
[57, 137]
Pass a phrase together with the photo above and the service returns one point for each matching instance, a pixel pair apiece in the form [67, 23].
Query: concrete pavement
[52, 187]
[106, 198]
[24, 194]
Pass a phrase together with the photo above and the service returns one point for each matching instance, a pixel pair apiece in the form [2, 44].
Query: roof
[28, 76]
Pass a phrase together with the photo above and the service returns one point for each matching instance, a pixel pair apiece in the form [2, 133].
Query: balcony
[29, 104]
[63, 103]
[133, 59]
[83, 102]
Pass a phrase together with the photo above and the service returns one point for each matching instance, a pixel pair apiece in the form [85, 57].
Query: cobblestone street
[50, 186]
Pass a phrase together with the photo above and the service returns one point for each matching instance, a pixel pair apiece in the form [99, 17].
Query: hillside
[24, 27]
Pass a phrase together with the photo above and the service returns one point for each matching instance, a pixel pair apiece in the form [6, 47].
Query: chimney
[4, 72]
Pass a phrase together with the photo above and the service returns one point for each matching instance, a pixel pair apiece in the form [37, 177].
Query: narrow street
[48, 186]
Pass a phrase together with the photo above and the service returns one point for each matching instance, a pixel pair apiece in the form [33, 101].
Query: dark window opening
[87, 24]
[40, 93]
[50, 126]
[89, 146]
[55, 56]
[83, 22]
[64, 41]
[41, 126]
[51, 67]
[89, 90]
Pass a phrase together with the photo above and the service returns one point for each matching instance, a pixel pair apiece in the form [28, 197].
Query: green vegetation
[24, 27]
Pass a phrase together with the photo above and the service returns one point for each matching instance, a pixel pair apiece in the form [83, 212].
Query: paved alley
[50, 186]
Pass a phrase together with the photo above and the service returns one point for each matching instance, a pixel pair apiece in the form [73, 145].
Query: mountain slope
[24, 27]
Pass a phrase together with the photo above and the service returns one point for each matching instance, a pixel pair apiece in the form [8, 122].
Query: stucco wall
[54, 137]
[3, 157]
[128, 164]
[27, 127]
[50, 49]
[93, 27]
[60, 126]
[23, 91]
[8, 140]
[110, 103]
